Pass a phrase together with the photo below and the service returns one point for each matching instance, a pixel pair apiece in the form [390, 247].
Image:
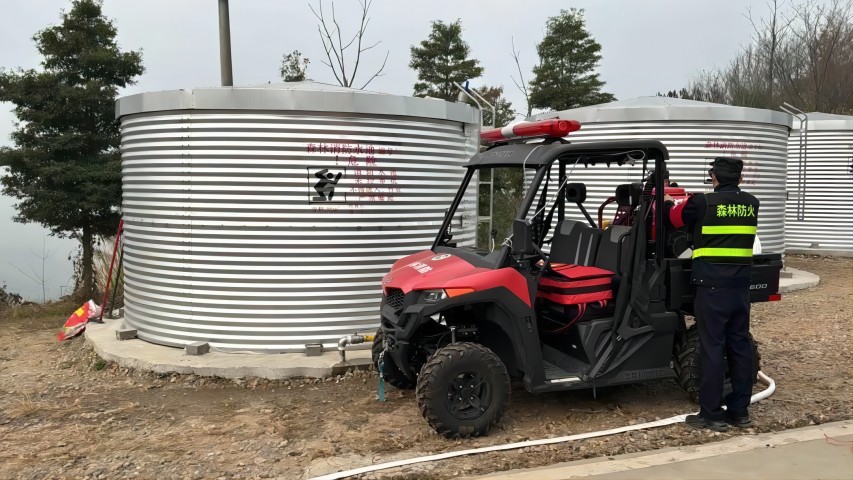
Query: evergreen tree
[441, 60]
[294, 68]
[65, 168]
[568, 56]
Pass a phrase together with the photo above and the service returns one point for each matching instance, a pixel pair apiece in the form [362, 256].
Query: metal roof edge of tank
[667, 109]
[827, 121]
[302, 96]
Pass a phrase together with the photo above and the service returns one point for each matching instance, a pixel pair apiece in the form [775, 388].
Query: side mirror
[522, 238]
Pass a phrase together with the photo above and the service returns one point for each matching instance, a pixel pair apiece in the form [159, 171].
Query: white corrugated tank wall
[694, 133]
[229, 242]
[819, 216]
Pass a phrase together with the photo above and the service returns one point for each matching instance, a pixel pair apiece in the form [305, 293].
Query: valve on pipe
[354, 339]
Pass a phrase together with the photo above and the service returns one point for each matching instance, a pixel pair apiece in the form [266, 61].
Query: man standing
[723, 224]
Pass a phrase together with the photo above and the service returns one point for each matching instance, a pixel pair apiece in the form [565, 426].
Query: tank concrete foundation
[141, 355]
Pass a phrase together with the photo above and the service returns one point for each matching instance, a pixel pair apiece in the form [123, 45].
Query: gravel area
[65, 413]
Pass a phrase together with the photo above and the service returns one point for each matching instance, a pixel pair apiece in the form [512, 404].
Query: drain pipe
[351, 340]
[771, 387]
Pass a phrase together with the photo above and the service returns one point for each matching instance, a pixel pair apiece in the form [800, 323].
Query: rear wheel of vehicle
[687, 363]
[463, 390]
[390, 371]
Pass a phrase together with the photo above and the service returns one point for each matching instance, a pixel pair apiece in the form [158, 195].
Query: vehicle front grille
[394, 299]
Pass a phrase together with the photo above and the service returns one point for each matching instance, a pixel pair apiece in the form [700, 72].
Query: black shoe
[739, 422]
[696, 421]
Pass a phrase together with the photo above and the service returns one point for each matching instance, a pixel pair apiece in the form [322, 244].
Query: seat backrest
[609, 246]
[574, 242]
[628, 194]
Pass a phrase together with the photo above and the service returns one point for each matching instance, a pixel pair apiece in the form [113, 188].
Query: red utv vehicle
[560, 304]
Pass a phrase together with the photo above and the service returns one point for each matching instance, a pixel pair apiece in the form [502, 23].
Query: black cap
[727, 166]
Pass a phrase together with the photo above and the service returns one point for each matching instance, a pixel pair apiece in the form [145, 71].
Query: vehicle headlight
[433, 296]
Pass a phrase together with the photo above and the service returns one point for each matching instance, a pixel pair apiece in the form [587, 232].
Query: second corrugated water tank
[694, 133]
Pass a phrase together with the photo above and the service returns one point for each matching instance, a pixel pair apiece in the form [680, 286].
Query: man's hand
[667, 198]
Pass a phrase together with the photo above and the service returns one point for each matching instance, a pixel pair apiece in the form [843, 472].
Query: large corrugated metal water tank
[819, 217]
[694, 133]
[263, 218]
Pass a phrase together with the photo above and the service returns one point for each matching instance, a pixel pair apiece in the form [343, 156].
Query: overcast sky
[647, 46]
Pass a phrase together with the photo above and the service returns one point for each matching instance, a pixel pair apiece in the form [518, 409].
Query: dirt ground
[65, 413]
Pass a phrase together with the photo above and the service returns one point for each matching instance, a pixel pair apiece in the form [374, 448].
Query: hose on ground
[771, 387]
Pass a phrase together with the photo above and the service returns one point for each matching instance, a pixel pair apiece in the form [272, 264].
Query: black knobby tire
[687, 363]
[390, 371]
[463, 390]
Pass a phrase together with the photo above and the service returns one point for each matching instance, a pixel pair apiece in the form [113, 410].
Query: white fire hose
[771, 387]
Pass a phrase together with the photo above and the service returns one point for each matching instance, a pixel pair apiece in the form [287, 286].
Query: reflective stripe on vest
[728, 229]
[722, 252]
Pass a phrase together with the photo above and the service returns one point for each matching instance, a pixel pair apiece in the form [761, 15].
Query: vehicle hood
[427, 270]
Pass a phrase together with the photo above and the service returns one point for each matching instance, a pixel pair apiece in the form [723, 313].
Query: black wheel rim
[469, 395]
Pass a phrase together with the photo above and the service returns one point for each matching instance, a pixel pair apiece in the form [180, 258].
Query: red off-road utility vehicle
[560, 304]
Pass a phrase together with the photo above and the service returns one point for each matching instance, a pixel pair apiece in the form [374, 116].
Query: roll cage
[542, 156]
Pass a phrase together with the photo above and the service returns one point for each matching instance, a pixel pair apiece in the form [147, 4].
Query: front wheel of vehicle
[463, 390]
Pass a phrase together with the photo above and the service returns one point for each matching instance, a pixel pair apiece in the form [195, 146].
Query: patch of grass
[38, 316]
[100, 364]
[26, 407]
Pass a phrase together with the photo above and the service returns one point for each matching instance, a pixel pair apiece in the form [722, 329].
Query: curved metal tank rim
[668, 109]
[826, 122]
[291, 97]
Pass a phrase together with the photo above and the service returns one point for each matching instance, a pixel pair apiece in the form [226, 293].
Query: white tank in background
[819, 214]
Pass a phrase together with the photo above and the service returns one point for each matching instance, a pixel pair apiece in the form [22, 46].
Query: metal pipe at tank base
[351, 340]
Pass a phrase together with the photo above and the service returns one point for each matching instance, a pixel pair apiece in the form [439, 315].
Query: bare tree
[803, 56]
[821, 73]
[336, 49]
[709, 86]
[522, 86]
[39, 278]
[768, 35]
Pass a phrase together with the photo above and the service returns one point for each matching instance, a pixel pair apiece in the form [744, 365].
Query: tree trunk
[87, 291]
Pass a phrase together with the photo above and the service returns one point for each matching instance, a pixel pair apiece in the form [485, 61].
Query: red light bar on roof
[542, 128]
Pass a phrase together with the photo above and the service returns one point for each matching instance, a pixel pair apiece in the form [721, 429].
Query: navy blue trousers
[722, 318]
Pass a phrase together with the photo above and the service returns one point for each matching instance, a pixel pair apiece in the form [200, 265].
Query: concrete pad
[142, 355]
[803, 453]
[798, 280]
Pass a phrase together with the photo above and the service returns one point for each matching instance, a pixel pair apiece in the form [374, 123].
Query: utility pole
[225, 44]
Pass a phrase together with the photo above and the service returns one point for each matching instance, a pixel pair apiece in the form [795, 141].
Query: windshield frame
[529, 195]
